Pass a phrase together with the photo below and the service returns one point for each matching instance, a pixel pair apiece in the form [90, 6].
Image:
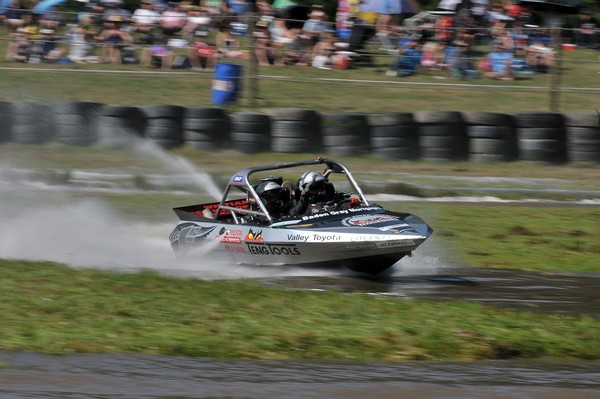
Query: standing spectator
[586, 30]
[315, 26]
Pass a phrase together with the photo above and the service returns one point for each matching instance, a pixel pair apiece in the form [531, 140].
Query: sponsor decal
[189, 235]
[231, 236]
[241, 204]
[254, 235]
[238, 179]
[327, 237]
[392, 244]
[297, 237]
[261, 248]
[234, 248]
[366, 220]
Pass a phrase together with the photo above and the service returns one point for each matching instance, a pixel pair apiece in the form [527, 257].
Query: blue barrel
[226, 84]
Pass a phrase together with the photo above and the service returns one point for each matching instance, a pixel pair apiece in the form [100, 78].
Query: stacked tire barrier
[295, 130]
[583, 137]
[32, 123]
[492, 137]
[5, 122]
[119, 126]
[542, 137]
[250, 132]
[394, 135]
[206, 129]
[76, 123]
[423, 135]
[443, 136]
[164, 125]
[346, 134]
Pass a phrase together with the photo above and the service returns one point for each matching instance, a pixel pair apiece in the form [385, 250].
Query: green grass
[53, 309]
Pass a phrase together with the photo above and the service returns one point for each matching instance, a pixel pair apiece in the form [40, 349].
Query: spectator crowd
[499, 41]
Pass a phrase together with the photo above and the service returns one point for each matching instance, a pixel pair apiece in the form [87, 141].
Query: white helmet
[311, 180]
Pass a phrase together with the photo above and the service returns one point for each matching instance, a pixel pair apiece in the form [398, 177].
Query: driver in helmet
[272, 196]
[313, 191]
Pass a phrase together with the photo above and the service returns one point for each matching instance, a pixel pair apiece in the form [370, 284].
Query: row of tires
[427, 135]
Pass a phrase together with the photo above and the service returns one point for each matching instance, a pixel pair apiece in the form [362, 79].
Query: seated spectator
[539, 57]
[201, 54]
[266, 51]
[460, 64]
[50, 20]
[407, 61]
[158, 54]
[323, 54]
[45, 47]
[19, 48]
[432, 55]
[500, 64]
[112, 40]
[114, 10]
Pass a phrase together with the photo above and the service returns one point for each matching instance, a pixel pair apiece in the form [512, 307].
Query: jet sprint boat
[344, 230]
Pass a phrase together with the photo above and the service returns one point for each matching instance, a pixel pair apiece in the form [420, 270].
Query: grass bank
[53, 309]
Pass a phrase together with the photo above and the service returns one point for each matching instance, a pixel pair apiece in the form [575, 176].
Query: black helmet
[269, 192]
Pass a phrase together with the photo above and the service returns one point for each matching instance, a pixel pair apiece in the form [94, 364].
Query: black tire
[250, 117]
[202, 145]
[398, 153]
[390, 119]
[32, 123]
[439, 117]
[193, 135]
[244, 137]
[5, 121]
[385, 142]
[80, 135]
[204, 113]
[74, 107]
[291, 145]
[491, 158]
[332, 141]
[211, 125]
[162, 111]
[542, 133]
[164, 123]
[295, 129]
[121, 111]
[583, 133]
[491, 132]
[163, 133]
[479, 118]
[552, 151]
[492, 146]
[345, 151]
[404, 131]
[539, 119]
[167, 144]
[584, 156]
[295, 114]
[443, 154]
[245, 147]
[457, 131]
[442, 142]
[582, 119]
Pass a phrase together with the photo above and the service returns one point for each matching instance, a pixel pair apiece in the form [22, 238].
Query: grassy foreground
[51, 308]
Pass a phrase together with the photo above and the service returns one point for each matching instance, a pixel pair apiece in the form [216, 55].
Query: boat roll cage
[241, 181]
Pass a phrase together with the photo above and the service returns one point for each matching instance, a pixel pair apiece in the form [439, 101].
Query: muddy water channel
[31, 375]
